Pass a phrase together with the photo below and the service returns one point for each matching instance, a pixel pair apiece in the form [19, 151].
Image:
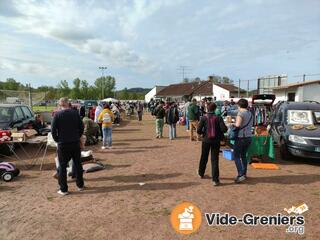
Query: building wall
[220, 93]
[311, 92]
[303, 93]
[153, 92]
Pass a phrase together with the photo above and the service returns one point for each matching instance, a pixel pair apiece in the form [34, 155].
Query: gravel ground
[115, 206]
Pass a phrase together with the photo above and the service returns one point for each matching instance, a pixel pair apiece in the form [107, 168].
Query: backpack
[211, 126]
[106, 118]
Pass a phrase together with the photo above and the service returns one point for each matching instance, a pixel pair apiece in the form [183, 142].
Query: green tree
[75, 92]
[84, 89]
[124, 94]
[11, 84]
[226, 80]
[134, 96]
[63, 89]
[106, 86]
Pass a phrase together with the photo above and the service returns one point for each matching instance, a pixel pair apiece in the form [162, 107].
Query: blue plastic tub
[228, 154]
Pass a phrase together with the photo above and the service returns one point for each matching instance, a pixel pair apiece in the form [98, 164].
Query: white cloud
[229, 9]
[66, 22]
[235, 25]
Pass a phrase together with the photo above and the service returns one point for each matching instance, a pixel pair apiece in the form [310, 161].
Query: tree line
[103, 87]
[214, 78]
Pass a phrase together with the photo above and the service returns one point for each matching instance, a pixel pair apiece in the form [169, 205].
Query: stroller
[8, 171]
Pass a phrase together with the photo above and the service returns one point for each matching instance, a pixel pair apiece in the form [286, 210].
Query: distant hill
[138, 90]
[132, 93]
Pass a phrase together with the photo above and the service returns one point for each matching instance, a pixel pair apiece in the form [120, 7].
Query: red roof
[180, 89]
[202, 88]
[205, 89]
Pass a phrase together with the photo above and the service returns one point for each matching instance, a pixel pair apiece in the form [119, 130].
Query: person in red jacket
[92, 112]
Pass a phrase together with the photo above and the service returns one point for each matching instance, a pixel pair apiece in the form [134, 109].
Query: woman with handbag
[242, 139]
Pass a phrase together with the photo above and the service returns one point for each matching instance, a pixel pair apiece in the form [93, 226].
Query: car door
[28, 117]
[18, 118]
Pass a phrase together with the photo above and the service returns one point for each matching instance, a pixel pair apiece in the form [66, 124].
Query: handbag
[234, 131]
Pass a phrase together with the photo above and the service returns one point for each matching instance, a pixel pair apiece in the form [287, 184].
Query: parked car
[15, 116]
[295, 127]
[88, 103]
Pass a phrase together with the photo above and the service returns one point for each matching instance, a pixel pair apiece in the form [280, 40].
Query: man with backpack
[212, 128]
[106, 118]
[172, 117]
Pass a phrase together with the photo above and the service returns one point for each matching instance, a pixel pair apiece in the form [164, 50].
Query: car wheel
[284, 153]
[7, 176]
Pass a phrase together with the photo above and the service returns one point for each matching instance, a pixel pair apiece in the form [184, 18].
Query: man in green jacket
[159, 113]
[193, 116]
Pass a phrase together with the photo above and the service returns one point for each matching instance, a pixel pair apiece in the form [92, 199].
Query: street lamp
[102, 81]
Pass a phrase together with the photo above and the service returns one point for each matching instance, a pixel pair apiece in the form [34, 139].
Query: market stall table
[39, 141]
[261, 146]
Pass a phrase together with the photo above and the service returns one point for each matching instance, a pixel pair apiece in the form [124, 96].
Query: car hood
[304, 132]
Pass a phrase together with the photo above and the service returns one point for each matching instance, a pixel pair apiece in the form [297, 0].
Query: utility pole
[304, 77]
[184, 70]
[248, 89]
[30, 96]
[239, 88]
[102, 81]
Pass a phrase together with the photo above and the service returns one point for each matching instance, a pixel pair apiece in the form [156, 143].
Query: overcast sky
[143, 42]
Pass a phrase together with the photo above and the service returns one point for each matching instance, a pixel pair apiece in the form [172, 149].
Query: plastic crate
[228, 154]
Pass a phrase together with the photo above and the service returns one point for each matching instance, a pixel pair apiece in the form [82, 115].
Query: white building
[153, 92]
[223, 91]
[298, 92]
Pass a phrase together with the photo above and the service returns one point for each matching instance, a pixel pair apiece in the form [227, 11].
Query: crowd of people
[203, 120]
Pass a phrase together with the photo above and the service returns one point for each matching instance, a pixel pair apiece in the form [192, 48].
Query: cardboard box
[29, 133]
[18, 137]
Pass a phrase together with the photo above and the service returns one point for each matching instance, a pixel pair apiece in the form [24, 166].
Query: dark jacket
[67, 126]
[159, 112]
[172, 115]
[193, 112]
[220, 129]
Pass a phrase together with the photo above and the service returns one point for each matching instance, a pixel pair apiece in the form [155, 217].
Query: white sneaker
[103, 147]
[80, 189]
[62, 193]
[110, 147]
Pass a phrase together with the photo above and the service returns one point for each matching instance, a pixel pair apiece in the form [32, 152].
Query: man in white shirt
[99, 109]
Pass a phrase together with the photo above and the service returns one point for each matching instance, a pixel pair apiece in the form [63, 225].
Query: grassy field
[43, 108]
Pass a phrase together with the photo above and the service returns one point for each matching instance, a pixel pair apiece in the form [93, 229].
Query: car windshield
[303, 117]
[317, 116]
[5, 114]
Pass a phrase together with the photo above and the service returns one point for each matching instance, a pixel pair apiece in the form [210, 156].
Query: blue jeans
[172, 131]
[107, 136]
[241, 146]
[187, 123]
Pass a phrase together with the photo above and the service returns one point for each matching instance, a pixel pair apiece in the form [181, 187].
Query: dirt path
[115, 206]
